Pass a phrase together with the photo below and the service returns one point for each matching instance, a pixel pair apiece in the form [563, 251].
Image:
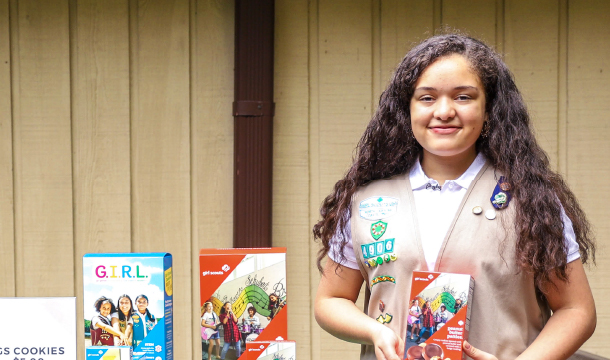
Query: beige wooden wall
[116, 131]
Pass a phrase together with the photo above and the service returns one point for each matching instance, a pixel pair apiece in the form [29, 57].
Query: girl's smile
[125, 305]
[105, 309]
[448, 108]
[142, 304]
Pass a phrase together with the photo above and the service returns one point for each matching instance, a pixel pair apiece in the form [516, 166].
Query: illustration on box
[128, 303]
[439, 315]
[271, 350]
[244, 306]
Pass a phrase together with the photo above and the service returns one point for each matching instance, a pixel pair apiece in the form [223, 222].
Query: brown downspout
[253, 110]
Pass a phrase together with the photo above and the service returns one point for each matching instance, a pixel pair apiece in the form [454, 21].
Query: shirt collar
[419, 180]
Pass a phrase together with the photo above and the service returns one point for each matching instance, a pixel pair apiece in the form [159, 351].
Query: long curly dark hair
[388, 148]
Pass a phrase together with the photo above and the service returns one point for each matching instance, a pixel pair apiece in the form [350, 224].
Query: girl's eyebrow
[462, 87]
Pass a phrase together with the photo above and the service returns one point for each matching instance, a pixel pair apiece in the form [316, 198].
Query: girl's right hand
[388, 345]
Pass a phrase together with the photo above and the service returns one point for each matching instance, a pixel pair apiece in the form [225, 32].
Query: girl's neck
[443, 168]
[142, 312]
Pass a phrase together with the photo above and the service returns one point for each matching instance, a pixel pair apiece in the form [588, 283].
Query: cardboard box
[454, 293]
[271, 350]
[142, 281]
[246, 278]
[108, 353]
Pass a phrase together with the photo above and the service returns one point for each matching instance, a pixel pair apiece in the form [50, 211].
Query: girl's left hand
[477, 354]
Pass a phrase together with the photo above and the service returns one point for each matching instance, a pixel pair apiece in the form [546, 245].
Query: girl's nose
[444, 109]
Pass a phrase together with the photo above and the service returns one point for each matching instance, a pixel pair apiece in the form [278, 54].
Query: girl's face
[273, 298]
[251, 313]
[227, 307]
[208, 308]
[448, 108]
[105, 309]
[142, 304]
[125, 305]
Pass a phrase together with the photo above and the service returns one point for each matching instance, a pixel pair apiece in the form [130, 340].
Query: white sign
[38, 328]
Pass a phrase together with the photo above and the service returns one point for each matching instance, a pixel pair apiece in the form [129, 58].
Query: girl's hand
[477, 354]
[388, 346]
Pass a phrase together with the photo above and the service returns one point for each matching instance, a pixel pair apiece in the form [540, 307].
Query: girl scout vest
[99, 336]
[508, 311]
[142, 325]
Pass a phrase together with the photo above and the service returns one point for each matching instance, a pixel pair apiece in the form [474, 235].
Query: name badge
[378, 207]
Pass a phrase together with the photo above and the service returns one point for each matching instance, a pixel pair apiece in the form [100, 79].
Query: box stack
[253, 282]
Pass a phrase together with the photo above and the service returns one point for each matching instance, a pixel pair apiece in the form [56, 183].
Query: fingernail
[466, 345]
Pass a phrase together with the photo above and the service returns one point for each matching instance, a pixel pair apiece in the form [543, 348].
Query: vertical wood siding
[116, 132]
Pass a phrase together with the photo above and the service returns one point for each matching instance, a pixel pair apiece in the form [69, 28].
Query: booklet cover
[252, 282]
[128, 301]
[271, 350]
[439, 315]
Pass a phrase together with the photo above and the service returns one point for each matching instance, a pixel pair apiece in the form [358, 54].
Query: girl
[101, 329]
[122, 321]
[442, 316]
[228, 318]
[413, 320]
[210, 321]
[428, 323]
[143, 320]
[451, 132]
[275, 305]
[251, 319]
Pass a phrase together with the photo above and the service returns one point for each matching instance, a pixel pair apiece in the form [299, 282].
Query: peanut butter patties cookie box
[253, 282]
[271, 350]
[439, 315]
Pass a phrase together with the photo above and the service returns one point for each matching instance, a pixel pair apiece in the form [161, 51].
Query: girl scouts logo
[378, 229]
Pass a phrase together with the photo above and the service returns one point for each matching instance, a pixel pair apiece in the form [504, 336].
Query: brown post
[253, 110]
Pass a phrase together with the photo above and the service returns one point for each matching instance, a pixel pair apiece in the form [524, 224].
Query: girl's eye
[463, 97]
[426, 98]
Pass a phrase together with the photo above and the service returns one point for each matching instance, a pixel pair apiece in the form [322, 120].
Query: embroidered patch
[378, 229]
[377, 207]
[385, 319]
[382, 278]
[378, 248]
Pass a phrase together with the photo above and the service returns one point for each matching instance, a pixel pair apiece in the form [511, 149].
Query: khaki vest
[507, 313]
